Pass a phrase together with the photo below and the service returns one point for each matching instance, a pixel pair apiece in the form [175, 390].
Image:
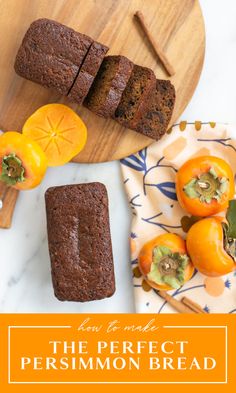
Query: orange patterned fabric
[149, 178]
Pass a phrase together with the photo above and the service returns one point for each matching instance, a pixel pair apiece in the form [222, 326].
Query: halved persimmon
[164, 262]
[58, 130]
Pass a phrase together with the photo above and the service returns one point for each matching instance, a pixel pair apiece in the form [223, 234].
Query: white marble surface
[25, 283]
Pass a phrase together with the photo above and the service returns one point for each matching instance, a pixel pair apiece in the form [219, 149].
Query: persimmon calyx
[207, 187]
[12, 170]
[168, 267]
[230, 230]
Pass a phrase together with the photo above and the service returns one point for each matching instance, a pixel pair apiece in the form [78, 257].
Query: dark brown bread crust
[106, 91]
[156, 118]
[80, 242]
[88, 72]
[51, 54]
[44, 69]
[56, 39]
[135, 97]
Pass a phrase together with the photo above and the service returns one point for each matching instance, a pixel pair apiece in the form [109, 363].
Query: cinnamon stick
[193, 306]
[156, 46]
[176, 304]
[8, 198]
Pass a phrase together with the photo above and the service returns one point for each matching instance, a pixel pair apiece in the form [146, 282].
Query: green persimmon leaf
[173, 282]
[159, 252]
[184, 261]
[231, 218]
[213, 172]
[189, 189]
[7, 180]
[154, 274]
[224, 186]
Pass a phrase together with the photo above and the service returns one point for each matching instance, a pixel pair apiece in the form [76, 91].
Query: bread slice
[88, 72]
[156, 118]
[106, 91]
[51, 54]
[135, 97]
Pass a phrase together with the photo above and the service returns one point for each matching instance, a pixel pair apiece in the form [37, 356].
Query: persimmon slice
[58, 130]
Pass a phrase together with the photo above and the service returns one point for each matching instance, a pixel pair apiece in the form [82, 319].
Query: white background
[25, 282]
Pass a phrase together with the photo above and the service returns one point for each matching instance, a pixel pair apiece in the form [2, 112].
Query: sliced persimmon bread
[109, 84]
[51, 54]
[156, 118]
[135, 98]
[88, 72]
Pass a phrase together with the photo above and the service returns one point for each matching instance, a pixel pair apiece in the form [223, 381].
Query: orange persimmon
[204, 185]
[164, 262]
[211, 244]
[23, 163]
[58, 130]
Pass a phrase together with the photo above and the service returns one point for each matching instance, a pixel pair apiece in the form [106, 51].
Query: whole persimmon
[211, 244]
[164, 262]
[204, 185]
[23, 163]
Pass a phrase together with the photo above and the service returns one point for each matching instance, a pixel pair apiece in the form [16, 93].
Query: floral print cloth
[149, 178]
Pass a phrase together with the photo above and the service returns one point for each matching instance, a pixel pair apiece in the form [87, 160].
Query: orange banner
[71, 350]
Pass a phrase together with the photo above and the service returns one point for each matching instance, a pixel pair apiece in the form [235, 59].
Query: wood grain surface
[176, 24]
[8, 198]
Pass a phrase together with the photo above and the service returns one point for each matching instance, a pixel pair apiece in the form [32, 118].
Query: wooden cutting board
[177, 24]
